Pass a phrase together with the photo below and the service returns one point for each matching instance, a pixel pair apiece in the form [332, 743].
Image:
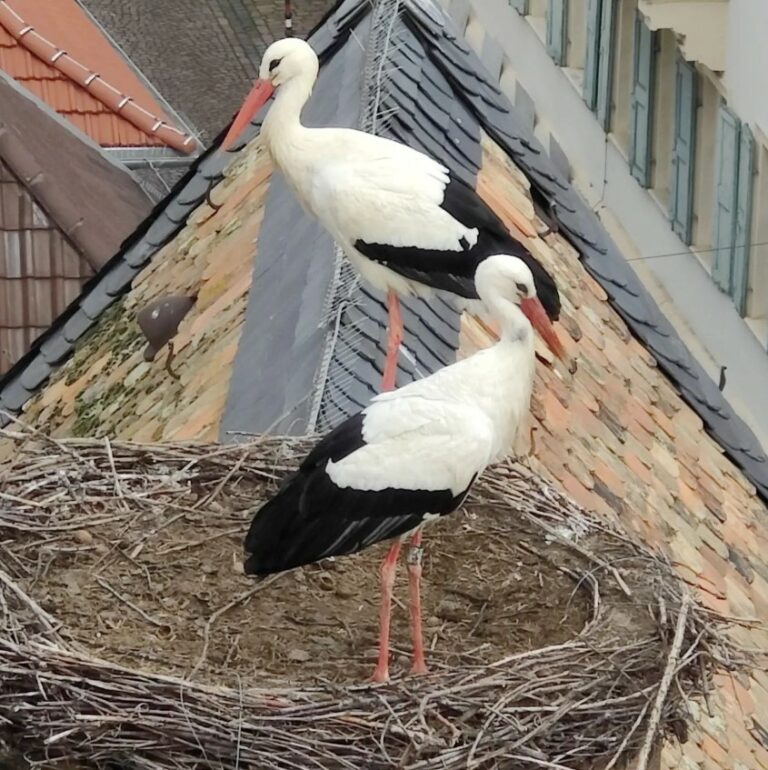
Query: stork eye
[274, 63]
[522, 288]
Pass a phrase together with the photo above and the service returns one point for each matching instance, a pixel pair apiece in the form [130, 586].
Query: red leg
[419, 665]
[388, 569]
[394, 338]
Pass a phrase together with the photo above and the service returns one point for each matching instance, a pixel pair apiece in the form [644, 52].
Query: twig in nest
[666, 680]
[219, 612]
[45, 619]
[106, 586]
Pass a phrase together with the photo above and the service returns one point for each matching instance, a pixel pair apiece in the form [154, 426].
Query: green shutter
[556, 28]
[740, 276]
[641, 127]
[724, 220]
[594, 15]
[605, 63]
[681, 176]
[521, 6]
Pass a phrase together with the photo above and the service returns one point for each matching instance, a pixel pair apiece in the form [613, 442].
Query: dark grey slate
[14, 396]
[55, 349]
[119, 278]
[161, 231]
[76, 325]
[96, 302]
[524, 107]
[559, 158]
[139, 254]
[36, 374]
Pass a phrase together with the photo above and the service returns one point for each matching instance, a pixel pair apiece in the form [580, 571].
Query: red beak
[256, 99]
[535, 313]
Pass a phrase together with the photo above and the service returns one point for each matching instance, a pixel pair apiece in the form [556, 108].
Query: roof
[637, 433]
[95, 202]
[63, 58]
[217, 47]
[64, 210]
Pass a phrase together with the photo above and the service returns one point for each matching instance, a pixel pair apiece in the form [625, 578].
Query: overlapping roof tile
[63, 58]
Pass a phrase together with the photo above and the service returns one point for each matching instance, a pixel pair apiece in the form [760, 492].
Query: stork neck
[515, 327]
[283, 121]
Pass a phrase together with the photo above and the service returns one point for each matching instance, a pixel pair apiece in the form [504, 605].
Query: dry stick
[103, 583]
[666, 680]
[39, 612]
[110, 456]
[219, 612]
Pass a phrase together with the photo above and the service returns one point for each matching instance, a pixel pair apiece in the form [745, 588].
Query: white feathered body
[368, 188]
[442, 431]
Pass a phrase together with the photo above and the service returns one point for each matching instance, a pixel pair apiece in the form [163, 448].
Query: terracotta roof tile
[64, 59]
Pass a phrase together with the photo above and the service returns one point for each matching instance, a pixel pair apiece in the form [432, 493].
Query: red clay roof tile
[64, 59]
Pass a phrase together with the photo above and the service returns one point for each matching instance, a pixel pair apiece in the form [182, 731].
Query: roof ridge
[117, 102]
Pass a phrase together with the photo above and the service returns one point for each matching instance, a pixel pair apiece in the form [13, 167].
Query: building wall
[40, 272]
[637, 218]
[747, 60]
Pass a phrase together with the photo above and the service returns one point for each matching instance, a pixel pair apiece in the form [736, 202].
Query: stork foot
[380, 674]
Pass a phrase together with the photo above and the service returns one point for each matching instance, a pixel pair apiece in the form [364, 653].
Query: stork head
[503, 281]
[286, 60]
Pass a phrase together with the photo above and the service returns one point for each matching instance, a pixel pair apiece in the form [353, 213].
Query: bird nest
[128, 635]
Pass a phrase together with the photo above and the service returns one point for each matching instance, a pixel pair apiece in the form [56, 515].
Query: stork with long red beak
[405, 223]
[412, 455]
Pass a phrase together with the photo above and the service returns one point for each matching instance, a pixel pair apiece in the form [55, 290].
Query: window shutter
[681, 177]
[605, 63]
[724, 220]
[556, 26]
[740, 276]
[521, 6]
[641, 128]
[594, 15]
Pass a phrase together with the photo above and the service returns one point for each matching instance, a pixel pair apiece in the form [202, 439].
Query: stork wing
[358, 487]
[417, 443]
[384, 192]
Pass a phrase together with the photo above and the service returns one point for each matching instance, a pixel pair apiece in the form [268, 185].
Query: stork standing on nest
[405, 223]
[410, 456]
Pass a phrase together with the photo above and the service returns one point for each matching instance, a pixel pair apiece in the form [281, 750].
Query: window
[663, 116]
[708, 104]
[626, 11]
[732, 218]
[641, 127]
[557, 12]
[598, 62]
[683, 147]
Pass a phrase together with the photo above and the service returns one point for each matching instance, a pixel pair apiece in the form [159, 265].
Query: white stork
[410, 456]
[404, 222]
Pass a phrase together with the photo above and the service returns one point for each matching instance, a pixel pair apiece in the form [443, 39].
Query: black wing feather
[311, 518]
[454, 271]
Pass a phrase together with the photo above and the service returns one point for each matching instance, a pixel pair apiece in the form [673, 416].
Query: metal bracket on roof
[159, 321]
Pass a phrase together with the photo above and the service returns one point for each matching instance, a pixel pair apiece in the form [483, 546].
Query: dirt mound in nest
[165, 590]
